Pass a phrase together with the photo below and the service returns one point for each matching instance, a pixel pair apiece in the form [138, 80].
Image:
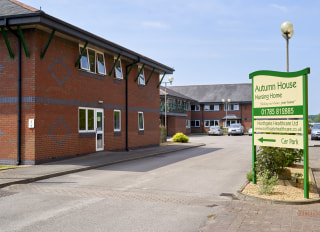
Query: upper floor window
[232, 107]
[141, 80]
[195, 107]
[92, 61]
[118, 69]
[211, 107]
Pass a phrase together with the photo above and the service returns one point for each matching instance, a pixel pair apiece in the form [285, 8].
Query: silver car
[215, 130]
[315, 131]
[235, 129]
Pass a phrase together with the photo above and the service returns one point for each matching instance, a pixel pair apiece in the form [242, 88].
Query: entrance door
[99, 130]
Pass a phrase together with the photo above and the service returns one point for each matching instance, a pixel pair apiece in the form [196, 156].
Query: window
[140, 121]
[141, 80]
[188, 123]
[195, 123]
[117, 120]
[86, 120]
[92, 61]
[208, 123]
[232, 107]
[118, 69]
[211, 107]
[195, 107]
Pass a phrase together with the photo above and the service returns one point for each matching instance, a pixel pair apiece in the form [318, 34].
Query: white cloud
[282, 8]
[154, 25]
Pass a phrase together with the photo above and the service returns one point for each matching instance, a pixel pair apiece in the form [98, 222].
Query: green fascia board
[280, 74]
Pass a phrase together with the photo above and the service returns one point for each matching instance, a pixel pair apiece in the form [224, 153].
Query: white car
[215, 130]
[250, 131]
[235, 129]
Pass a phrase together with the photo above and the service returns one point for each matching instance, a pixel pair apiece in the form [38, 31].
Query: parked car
[250, 131]
[315, 131]
[235, 129]
[215, 130]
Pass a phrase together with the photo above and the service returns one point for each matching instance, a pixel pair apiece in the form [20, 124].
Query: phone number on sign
[277, 111]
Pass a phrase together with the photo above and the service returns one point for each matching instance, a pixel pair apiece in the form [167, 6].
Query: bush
[249, 176]
[180, 137]
[266, 183]
[275, 159]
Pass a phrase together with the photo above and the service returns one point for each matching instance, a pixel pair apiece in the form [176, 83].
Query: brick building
[65, 91]
[178, 111]
[212, 108]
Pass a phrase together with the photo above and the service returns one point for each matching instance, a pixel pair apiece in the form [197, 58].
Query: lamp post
[287, 33]
[170, 80]
[226, 103]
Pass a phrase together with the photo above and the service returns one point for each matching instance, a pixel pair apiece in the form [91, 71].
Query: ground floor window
[208, 123]
[117, 120]
[86, 120]
[227, 123]
[140, 121]
[188, 123]
[195, 123]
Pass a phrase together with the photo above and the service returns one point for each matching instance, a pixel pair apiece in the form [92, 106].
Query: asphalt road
[171, 192]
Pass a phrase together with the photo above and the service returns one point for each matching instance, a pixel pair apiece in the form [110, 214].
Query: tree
[317, 118]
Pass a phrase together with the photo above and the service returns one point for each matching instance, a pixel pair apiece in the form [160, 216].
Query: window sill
[117, 133]
[87, 134]
[141, 132]
[141, 86]
[117, 80]
[90, 74]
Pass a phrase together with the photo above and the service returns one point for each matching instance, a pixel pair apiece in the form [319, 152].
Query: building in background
[211, 107]
[178, 111]
[65, 91]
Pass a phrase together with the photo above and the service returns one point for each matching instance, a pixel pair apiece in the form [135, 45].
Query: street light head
[229, 100]
[222, 100]
[170, 79]
[287, 30]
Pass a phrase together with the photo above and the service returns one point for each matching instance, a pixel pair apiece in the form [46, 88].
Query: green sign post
[280, 114]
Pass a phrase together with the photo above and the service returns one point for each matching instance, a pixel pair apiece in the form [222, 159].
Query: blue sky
[206, 41]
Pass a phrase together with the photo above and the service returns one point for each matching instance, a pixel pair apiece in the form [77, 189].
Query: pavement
[28, 174]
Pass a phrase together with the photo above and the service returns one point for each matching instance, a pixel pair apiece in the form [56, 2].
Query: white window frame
[86, 127]
[188, 123]
[195, 123]
[197, 107]
[232, 107]
[116, 129]
[95, 59]
[141, 113]
[115, 68]
[215, 122]
[216, 107]
[141, 76]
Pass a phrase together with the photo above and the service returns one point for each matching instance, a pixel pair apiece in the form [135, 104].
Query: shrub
[275, 159]
[249, 176]
[180, 137]
[266, 183]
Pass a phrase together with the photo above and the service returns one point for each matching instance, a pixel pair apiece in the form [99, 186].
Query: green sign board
[280, 113]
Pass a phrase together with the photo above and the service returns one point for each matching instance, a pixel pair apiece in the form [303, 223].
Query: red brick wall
[60, 89]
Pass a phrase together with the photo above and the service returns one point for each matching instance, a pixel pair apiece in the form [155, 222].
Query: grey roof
[13, 13]
[215, 93]
[175, 94]
[12, 7]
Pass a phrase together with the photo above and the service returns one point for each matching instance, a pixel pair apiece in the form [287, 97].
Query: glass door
[99, 130]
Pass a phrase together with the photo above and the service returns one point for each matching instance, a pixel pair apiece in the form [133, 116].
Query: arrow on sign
[266, 140]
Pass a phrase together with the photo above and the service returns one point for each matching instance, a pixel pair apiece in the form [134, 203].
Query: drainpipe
[18, 162]
[127, 113]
